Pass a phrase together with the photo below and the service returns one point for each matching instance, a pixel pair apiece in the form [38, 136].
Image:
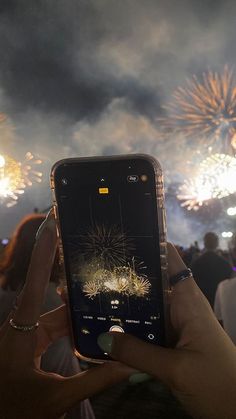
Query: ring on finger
[23, 327]
[181, 276]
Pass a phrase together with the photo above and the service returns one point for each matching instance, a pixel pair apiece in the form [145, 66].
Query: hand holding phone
[111, 219]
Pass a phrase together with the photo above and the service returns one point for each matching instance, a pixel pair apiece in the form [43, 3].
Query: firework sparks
[91, 289]
[205, 108]
[117, 284]
[215, 179]
[233, 141]
[11, 180]
[107, 265]
[109, 246]
[141, 286]
[30, 170]
[123, 275]
[122, 279]
[16, 176]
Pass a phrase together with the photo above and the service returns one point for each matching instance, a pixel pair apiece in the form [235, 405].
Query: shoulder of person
[231, 283]
[224, 283]
[220, 258]
[227, 284]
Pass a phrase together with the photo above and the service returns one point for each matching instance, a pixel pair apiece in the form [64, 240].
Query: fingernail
[49, 222]
[139, 377]
[105, 342]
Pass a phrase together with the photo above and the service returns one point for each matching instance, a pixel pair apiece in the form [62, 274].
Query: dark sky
[91, 77]
[75, 57]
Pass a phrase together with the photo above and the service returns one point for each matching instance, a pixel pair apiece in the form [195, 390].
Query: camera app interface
[109, 229]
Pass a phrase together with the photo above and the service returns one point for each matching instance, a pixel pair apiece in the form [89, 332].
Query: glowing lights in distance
[231, 211]
[227, 234]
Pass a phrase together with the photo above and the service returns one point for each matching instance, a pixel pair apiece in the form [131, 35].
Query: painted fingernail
[105, 342]
[139, 377]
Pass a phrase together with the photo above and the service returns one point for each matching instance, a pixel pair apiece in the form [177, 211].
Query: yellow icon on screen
[103, 190]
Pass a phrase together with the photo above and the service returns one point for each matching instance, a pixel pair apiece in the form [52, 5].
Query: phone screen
[109, 228]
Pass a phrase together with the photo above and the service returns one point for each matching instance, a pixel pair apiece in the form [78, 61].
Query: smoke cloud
[92, 77]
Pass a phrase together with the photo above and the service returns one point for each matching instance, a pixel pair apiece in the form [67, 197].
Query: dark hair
[15, 261]
[211, 240]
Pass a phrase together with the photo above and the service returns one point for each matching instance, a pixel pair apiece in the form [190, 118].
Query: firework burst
[141, 286]
[117, 283]
[215, 178]
[91, 289]
[122, 279]
[30, 170]
[205, 108]
[16, 176]
[107, 245]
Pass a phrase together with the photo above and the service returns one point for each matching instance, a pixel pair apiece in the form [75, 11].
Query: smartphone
[111, 222]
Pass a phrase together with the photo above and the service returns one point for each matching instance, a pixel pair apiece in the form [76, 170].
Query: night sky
[88, 77]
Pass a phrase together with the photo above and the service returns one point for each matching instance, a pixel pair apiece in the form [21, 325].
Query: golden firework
[91, 289]
[30, 169]
[215, 178]
[233, 141]
[205, 108]
[141, 286]
[11, 180]
[16, 176]
[109, 246]
[122, 279]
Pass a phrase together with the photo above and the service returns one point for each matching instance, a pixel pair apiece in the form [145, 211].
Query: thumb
[162, 363]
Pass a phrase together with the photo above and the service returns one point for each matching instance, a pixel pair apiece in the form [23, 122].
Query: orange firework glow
[205, 108]
[16, 176]
[215, 178]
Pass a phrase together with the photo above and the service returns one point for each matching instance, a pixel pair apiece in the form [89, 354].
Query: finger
[63, 292]
[175, 262]
[71, 390]
[191, 315]
[55, 323]
[154, 360]
[38, 275]
[52, 326]
[190, 312]
[187, 297]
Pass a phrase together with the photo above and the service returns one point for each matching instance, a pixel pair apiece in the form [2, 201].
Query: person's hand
[201, 369]
[52, 326]
[25, 390]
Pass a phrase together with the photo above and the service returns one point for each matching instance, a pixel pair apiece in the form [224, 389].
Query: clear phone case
[161, 224]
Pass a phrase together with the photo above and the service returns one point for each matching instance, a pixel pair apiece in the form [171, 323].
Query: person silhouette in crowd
[225, 307]
[210, 268]
[232, 252]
